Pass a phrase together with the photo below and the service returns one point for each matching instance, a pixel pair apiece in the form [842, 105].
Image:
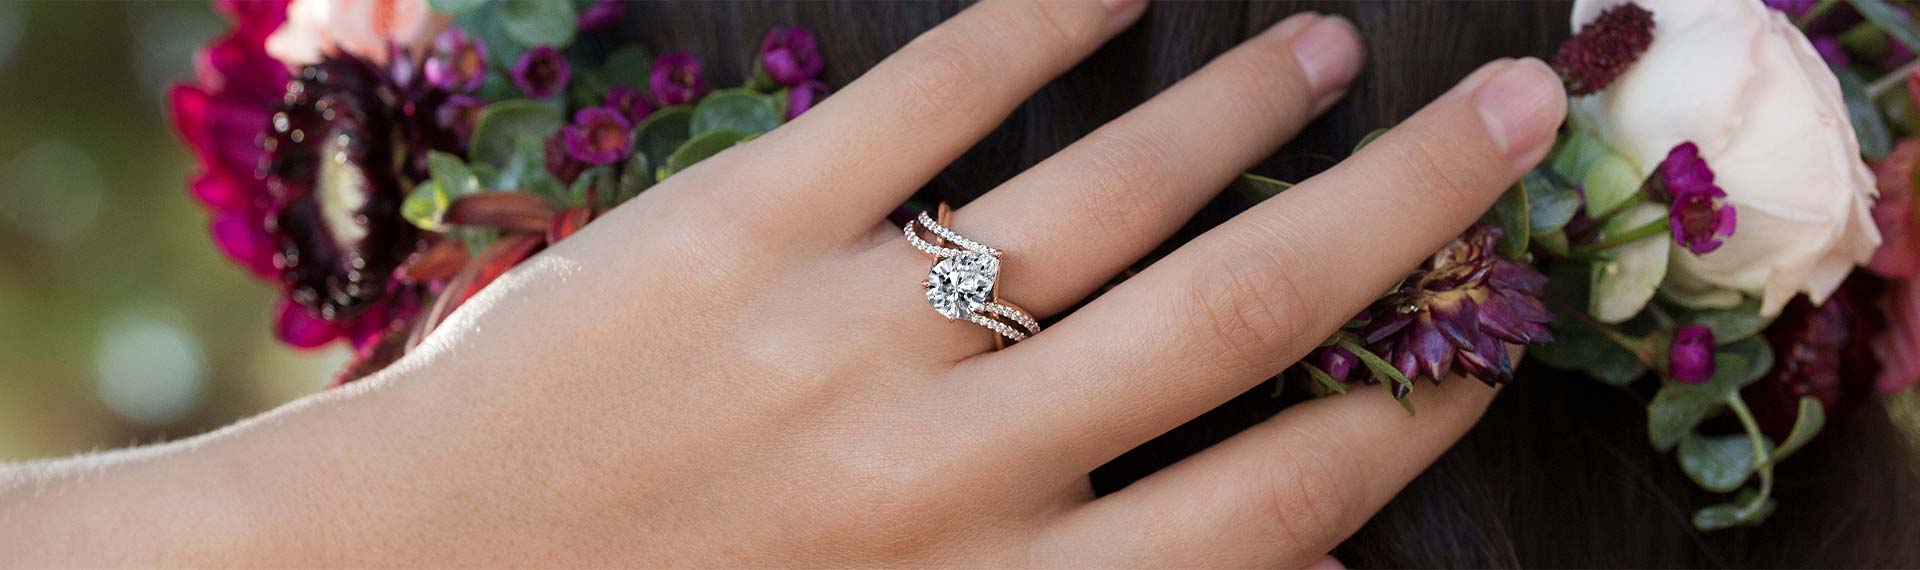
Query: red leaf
[511, 211]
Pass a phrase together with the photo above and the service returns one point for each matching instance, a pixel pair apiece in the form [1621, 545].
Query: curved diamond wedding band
[964, 282]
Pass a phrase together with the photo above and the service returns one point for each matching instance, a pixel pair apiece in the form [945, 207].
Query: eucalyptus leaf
[501, 125]
[1893, 20]
[1511, 214]
[1256, 188]
[739, 110]
[1806, 425]
[1733, 324]
[587, 89]
[1552, 241]
[1678, 407]
[662, 132]
[455, 6]
[1720, 464]
[699, 148]
[452, 174]
[1549, 206]
[1610, 180]
[635, 178]
[1614, 365]
[1624, 284]
[538, 22]
[1727, 515]
[629, 66]
[425, 205]
[1868, 125]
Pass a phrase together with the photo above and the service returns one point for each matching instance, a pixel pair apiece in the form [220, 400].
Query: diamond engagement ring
[964, 282]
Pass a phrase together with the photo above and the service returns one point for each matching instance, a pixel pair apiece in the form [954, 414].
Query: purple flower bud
[1690, 359]
[676, 78]
[599, 135]
[458, 62]
[541, 72]
[457, 114]
[1831, 51]
[1699, 221]
[629, 102]
[789, 55]
[1682, 172]
[601, 14]
[1336, 361]
[803, 96]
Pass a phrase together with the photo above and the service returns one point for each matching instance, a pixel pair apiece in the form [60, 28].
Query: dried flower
[602, 14]
[599, 135]
[1604, 48]
[1462, 309]
[541, 72]
[803, 96]
[458, 62]
[676, 79]
[1700, 221]
[789, 55]
[1690, 358]
[629, 102]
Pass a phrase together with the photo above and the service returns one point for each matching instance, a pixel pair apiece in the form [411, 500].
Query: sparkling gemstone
[961, 284]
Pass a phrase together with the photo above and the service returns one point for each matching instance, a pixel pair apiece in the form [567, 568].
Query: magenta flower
[1604, 48]
[599, 135]
[1831, 51]
[1682, 172]
[1699, 221]
[602, 14]
[629, 102]
[676, 79]
[541, 72]
[457, 115]
[1690, 359]
[1792, 8]
[803, 96]
[458, 62]
[789, 55]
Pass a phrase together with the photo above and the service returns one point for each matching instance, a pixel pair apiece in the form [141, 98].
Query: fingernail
[1521, 106]
[1327, 563]
[1328, 52]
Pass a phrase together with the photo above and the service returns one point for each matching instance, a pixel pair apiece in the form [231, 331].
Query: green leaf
[501, 125]
[1615, 365]
[587, 88]
[662, 132]
[1624, 284]
[699, 148]
[1511, 214]
[1549, 206]
[1868, 125]
[1553, 241]
[452, 174]
[1325, 380]
[538, 22]
[1380, 368]
[635, 178]
[1727, 515]
[1256, 188]
[1733, 324]
[1806, 425]
[485, 25]
[1893, 20]
[1367, 140]
[1719, 464]
[739, 110]
[628, 66]
[425, 205]
[1677, 408]
[455, 6]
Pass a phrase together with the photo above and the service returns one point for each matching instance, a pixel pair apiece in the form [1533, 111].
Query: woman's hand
[739, 368]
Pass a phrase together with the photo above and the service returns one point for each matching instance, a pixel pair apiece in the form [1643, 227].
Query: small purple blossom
[629, 102]
[789, 55]
[1337, 361]
[676, 79]
[541, 72]
[599, 135]
[1792, 8]
[1690, 359]
[803, 96]
[602, 14]
[458, 62]
[1831, 51]
[1682, 172]
[1699, 220]
[457, 114]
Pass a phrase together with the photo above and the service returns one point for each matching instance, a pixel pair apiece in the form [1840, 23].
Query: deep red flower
[1822, 351]
[1604, 48]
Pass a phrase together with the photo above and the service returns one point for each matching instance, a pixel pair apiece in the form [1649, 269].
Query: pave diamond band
[964, 281]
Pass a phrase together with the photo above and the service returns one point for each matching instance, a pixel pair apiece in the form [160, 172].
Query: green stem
[1637, 198]
[1760, 454]
[1888, 82]
[1650, 229]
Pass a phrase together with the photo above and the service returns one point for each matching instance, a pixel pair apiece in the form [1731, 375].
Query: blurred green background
[120, 322]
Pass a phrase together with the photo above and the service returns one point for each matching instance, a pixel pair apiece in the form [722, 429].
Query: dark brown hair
[1559, 473]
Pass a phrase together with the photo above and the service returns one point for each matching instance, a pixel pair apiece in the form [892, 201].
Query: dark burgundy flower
[676, 79]
[1700, 221]
[599, 135]
[541, 72]
[1823, 351]
[458, 62]
[559, 162]
[629, 102]
[803, 96]
[1690, 358]
[457, 114]
[334, 173]
[1604, 48]
[789, 55]
[1460, 311]
[1683, 171]
[602, 14]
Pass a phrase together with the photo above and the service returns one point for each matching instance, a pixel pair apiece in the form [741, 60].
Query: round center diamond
[959, 285]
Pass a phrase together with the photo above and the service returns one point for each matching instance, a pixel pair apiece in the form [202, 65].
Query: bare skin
[738, 369]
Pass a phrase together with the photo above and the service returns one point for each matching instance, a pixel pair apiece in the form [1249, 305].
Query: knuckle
[944, 69]
[1303, 499]
[1422, 158]
[1120, 168]
[1248, 303]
